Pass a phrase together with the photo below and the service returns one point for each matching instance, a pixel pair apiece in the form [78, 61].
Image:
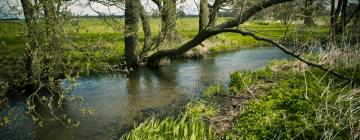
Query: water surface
[118, 101]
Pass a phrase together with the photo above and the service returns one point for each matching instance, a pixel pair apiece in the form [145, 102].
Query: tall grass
[302, 103]
[189, 125]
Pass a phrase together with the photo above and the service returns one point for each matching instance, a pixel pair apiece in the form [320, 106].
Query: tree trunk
[155, 58]
[343, 19]
[131, 32]
[332, 18]
[356, 23]
[146, 28]
[203, 15]
[31, 39]
[308, 12]
[214, 12]
[168, 18]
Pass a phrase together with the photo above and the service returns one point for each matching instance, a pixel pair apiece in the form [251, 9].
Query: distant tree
[180, 13]
[341, 15]
[284, 12]
[308, 12]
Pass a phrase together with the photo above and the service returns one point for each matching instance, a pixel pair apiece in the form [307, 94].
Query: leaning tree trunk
[131, 29]
[308, 12]
[168, 18]
[154, 59]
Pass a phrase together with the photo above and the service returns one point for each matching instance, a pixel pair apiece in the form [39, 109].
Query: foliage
[100, 43]
[301, 105]
[188, 125]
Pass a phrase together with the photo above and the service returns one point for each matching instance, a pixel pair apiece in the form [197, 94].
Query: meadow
[102, 40]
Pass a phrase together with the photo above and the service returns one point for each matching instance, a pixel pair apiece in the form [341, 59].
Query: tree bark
[146, 28]
[332, 17]
[31, 38]
[168, 18]
[308, 12]
[203, 15]
[335, 25]
[131, 32]
[214, 12]
[356, 23]
[343, 20]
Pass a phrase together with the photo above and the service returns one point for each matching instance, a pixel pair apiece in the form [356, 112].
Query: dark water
[118, 101]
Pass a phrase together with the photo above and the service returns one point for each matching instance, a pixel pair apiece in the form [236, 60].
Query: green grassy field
[104, 40]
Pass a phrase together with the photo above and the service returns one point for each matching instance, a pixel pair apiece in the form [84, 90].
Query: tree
[155, 58]
[43, 37]
[285, 12]
[203, 15]
[168, 13]
[308, 12]
[45, 65]
[131, 32]
[341, 16]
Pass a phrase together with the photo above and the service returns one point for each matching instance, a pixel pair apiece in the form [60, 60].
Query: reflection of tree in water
[151, 92]
[207, 71]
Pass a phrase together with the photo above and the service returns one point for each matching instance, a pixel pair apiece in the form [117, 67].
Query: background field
[103, 40]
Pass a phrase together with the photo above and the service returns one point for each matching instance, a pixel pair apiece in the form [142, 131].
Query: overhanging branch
[289, 52]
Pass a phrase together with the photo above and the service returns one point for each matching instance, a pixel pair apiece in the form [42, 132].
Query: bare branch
[289, 52]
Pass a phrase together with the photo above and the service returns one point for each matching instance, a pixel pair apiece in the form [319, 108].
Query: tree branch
[289, 52]
[154, 59]
[246, 15]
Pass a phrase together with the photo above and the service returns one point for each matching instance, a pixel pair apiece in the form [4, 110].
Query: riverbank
[284, 100]
[117, 101]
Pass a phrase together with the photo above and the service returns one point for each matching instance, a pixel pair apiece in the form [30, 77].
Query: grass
[213, 90]
[301, 104]
[297, 102]
[189, 125]
[99, 41]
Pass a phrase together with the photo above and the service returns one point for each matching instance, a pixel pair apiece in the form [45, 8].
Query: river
[118, 100]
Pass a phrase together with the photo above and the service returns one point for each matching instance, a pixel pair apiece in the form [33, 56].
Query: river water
[118, 101]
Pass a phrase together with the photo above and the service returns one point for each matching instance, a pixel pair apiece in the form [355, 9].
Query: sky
[80, 7]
